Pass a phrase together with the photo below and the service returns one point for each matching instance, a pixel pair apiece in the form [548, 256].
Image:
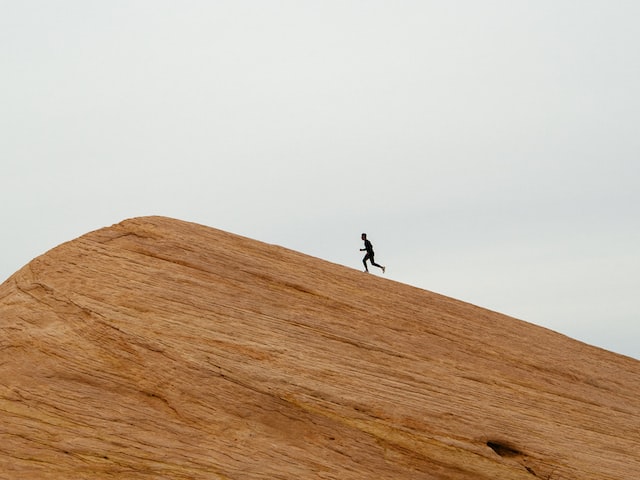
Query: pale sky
[490, 149]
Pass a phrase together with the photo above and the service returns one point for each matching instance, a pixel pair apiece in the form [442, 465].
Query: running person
[369, 256]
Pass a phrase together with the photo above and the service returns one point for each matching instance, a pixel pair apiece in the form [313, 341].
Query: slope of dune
[158, 348]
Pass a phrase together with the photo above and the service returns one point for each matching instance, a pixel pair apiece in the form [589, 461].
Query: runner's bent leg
[375, 264]
[364, 261]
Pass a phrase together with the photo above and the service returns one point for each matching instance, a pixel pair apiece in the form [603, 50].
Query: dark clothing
[369, 256]
[368, 247]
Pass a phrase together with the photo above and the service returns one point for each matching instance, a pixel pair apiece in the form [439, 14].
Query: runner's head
[363, 236]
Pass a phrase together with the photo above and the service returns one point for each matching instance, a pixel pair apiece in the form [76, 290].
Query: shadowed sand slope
[157, 348]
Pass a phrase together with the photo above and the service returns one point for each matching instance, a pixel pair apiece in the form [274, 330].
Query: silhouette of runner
[369, 256]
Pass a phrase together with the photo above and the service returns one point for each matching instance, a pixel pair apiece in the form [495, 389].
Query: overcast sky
[490, 149]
